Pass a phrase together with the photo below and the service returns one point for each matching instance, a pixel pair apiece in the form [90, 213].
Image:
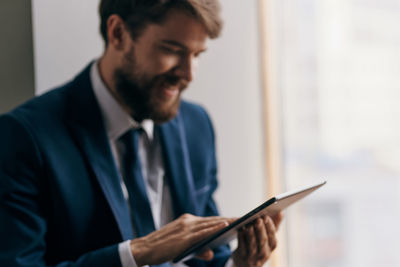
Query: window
[333, 68]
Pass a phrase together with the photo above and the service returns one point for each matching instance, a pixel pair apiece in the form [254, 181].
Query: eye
[171, 50]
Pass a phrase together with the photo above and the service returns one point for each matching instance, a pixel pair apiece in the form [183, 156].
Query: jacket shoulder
[197, 124]
[52, 106]
[194, 112]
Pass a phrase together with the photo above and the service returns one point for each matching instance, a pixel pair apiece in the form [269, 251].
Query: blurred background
[299, 91]
[338, 77]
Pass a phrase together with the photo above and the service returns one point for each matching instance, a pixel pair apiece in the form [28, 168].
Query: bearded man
[112, 168]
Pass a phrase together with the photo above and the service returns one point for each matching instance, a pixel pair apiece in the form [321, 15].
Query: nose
[186, 68]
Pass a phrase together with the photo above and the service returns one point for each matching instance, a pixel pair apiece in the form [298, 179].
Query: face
[159, 65]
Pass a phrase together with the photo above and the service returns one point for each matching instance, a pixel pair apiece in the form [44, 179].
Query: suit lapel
[86, 125]
[177, 162]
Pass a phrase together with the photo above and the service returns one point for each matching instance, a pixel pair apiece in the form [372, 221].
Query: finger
[271, 231]
[242, 244]
[277, 219]
[262, 238]
[198, 220]
[208, 221]
[231, 220]
[208, 224]
[189, 230]
[214, 218]
[188, 223]
[251, 241]
[206, 255]
[196, 236]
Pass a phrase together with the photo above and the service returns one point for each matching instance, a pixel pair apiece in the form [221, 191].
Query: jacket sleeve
[221, 254]
[23, 201]
[200, 135]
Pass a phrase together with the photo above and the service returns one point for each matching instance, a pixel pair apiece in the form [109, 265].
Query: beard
[144, 96]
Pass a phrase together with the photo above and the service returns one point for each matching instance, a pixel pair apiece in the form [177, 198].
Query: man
[112, 169]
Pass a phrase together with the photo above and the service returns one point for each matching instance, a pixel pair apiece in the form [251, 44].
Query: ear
[117, 32]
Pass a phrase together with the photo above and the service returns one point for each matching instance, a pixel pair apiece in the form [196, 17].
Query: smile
[171, 91]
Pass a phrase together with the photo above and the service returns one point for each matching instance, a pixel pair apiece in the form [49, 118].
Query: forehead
[177, 27]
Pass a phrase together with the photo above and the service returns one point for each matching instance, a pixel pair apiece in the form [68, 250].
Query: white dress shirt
[117, 122]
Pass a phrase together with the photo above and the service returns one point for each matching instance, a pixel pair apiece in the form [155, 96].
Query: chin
[167, 113]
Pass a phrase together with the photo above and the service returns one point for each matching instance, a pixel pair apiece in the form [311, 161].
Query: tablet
[227, 234]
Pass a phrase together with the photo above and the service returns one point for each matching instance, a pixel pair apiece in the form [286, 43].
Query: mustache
[172, 80]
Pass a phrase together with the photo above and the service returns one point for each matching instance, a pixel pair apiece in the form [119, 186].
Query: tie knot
[131, 137]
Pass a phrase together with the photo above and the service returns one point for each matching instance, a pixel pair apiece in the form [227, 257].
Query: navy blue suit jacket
[61, 202]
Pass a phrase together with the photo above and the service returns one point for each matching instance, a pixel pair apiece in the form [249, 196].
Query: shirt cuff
[125, 254]
[127, 260]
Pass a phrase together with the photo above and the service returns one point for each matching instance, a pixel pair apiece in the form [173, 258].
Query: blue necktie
[140, 206]
[142, 217]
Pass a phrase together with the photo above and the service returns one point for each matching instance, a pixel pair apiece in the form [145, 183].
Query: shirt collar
[116, 120]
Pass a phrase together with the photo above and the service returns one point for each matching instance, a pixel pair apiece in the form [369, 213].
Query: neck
[106, 70]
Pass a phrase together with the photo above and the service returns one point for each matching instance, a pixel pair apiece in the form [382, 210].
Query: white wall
[227, 83]
[66, 37]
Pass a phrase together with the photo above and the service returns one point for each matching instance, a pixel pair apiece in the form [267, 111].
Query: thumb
[206, 255]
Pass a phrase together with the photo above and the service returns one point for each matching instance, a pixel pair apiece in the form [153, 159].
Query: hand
[168, 242]
[257, 241]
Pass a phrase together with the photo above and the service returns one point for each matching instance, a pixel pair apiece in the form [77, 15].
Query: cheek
[162, 63]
